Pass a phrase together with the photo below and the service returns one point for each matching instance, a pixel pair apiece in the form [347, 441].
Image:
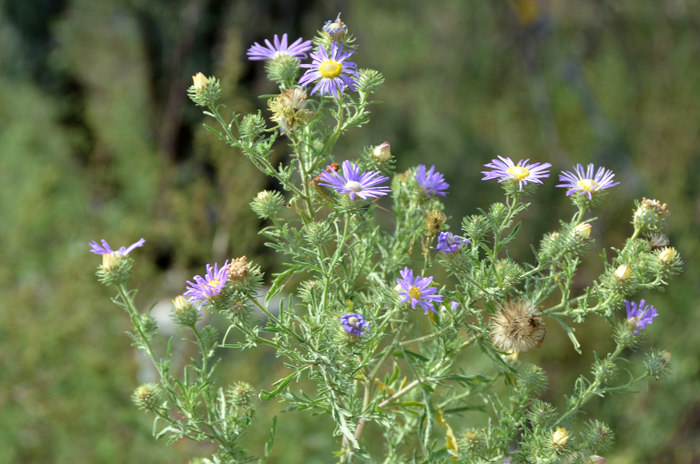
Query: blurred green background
[98, 140]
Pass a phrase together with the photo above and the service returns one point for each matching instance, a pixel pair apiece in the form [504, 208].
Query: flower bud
[583, 230]
[241, 394]
[596, 460]
[147, 396]
[623, 273]
[382, 153]
[369, 80]
[283, 69]
[115, 269]
[111, 262]
[560, 438]
[184, 313]
[649, 215]
[200, 82]
[267, 204]
[667, 256]
[204, 91]
[658, 363]
[598, 435]
[251, 126]
[605, 370]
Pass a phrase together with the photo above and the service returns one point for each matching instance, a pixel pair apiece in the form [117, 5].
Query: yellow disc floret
[414, 292]
[213, 283]
[588, 185]
[518, 172]
[330, 69]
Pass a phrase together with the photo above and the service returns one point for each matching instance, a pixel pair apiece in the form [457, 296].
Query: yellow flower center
[414, 292]
[213, 283]
[518, 172]
[330, 69]
[589, 185]
[354, 186]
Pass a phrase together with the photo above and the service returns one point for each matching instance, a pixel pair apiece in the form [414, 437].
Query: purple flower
[297, 50]
[207, 288]
[640, 315]
[354, 324]
[449, 243]
[418, 290]
[332, 72]
[431, 181]
[504, 169]
[354, 183]
[586, 182]
[105, 249]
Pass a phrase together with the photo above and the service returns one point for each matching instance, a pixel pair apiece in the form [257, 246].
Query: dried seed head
[655, 205]
[518, 327]
[237, 269]
[658, 241]
[434, 221]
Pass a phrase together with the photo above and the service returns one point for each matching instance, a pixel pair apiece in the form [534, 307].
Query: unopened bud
[596, 460]
[184, 313]
[382, 153]
[560, 437]
[267, 204]
[667, 256]
[623, 273]
[146, 396]
[241, 394]
[583, 230]
[200, 82]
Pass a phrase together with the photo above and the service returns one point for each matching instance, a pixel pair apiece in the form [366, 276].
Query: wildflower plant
[350, 287]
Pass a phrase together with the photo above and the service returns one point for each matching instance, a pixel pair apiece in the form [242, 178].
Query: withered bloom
[518, 327]
[289, 109]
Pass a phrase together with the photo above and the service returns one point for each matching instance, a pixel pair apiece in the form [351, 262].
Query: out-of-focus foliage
[97, 139]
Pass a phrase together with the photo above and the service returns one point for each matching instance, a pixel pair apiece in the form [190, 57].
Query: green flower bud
[649, 215]
[541, 414]
[532, 381]
[476, 228]
[251, 126]
[598, 436]
[204, 91]
[369, 81]
[147, 396]
[605, 370]
[241, 395]
[658, 364]
[268, 204]
[184, 313]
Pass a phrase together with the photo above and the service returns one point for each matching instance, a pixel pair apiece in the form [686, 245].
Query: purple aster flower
[297, 50]
[449, 243]
[641, 315]
[354, 183]
[504, 169]
[418, 290]
[585, 182]
[431, 181]
[105, 249]
[208, 287]
[332, 72]
[354, 324]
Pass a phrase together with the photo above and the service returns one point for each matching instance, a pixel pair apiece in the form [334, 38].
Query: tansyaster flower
[208, 287]
[105, 249]
[431, 181]
[352, 182]
[641, 315]
[418, 290]
[585, 182]
[449, 243]
[354, 324]
[297, 50]
[505, 169]
[332, 72]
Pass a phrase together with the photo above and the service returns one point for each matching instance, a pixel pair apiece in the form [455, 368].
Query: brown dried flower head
[434, 221]
[518, 327]
[655, 205]
[658, 241]
[289, 109]
[237, 269]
